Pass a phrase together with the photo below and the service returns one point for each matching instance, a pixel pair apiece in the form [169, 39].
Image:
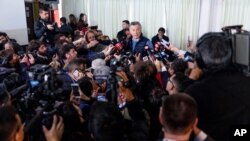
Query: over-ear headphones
[198, 56]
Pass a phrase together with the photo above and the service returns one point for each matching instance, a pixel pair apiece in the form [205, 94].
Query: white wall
[13, 20]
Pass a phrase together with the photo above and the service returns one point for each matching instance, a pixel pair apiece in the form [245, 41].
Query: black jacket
[43, 33]
[156, 39]
[223, 100]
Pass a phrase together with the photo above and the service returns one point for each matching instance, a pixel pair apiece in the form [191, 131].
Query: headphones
[198, 57]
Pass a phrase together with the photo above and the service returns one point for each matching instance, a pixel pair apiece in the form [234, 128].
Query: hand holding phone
[75, 89]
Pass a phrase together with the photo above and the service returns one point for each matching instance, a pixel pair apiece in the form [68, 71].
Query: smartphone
[75, 89]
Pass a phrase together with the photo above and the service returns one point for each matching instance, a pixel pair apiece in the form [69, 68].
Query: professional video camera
[240, 40]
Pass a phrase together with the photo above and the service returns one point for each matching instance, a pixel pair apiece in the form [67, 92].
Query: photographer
[44, 29]
[74, 71]
[40, 50]
[20, 64]
[222, 94]
[5, 41]
[13, 129]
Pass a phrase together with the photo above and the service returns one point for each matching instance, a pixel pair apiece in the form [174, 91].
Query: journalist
[222, 94]
[44, 29]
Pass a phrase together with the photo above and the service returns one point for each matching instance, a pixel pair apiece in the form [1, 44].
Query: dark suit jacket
[223, 100]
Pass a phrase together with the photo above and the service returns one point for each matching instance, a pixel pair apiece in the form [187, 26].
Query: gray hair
[135, 23]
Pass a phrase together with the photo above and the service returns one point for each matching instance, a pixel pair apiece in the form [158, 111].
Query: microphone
[148, 51]
[157, 46]
[165, 43]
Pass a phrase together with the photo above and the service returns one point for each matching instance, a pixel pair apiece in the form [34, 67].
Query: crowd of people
[128, 89]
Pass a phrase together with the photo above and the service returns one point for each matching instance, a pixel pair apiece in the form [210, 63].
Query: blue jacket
[140, 46]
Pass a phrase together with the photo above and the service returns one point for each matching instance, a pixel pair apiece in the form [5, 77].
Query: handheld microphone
[157, 46]
[165, 43]
[149, 52]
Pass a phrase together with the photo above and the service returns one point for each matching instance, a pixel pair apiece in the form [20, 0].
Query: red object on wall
[56, 17]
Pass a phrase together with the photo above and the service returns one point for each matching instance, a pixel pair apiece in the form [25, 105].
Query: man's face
[72, 54]
[160, 33]
[42, 49]
[3, 39]
[8, 46]
[135, 31]
[124, 25]
[44, 15]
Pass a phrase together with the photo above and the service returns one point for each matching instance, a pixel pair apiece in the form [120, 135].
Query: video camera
[240, 41]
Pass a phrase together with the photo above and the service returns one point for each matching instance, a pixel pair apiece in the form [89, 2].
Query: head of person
[142, 72]
[72, 18]
[63, 20]
[10, 58]
[175, 83]
[101, 73]
[38, 46]
[178, 65]
[125, 24]
[178, 114]
[3, 38]
[44, 13]
[135, 29]
[161, 31]
[11, 128]
[214, 52]
[83, 17]
[68, 52]
[77, 64]
[9, 45]
[106, 122]
[90, 36]
[85, 86]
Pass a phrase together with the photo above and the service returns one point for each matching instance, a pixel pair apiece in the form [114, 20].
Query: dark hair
[179, 65]
[43, 8]
[126, 21]
[34, 45]
[72, 19]
[214, 51]
[8, 122]
[106, 122]
[3, 34]
[63, 20]
[135, 23]
[65, 49]
[178, 80]
[80, 17]
[141, 71]
[71, 117]
[7, 55]
[75, 64]
[85, 86]
[179, 112]
[161, 29]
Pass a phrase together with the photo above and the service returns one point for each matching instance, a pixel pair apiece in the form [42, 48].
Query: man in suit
[178, 116]
[222, 94]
